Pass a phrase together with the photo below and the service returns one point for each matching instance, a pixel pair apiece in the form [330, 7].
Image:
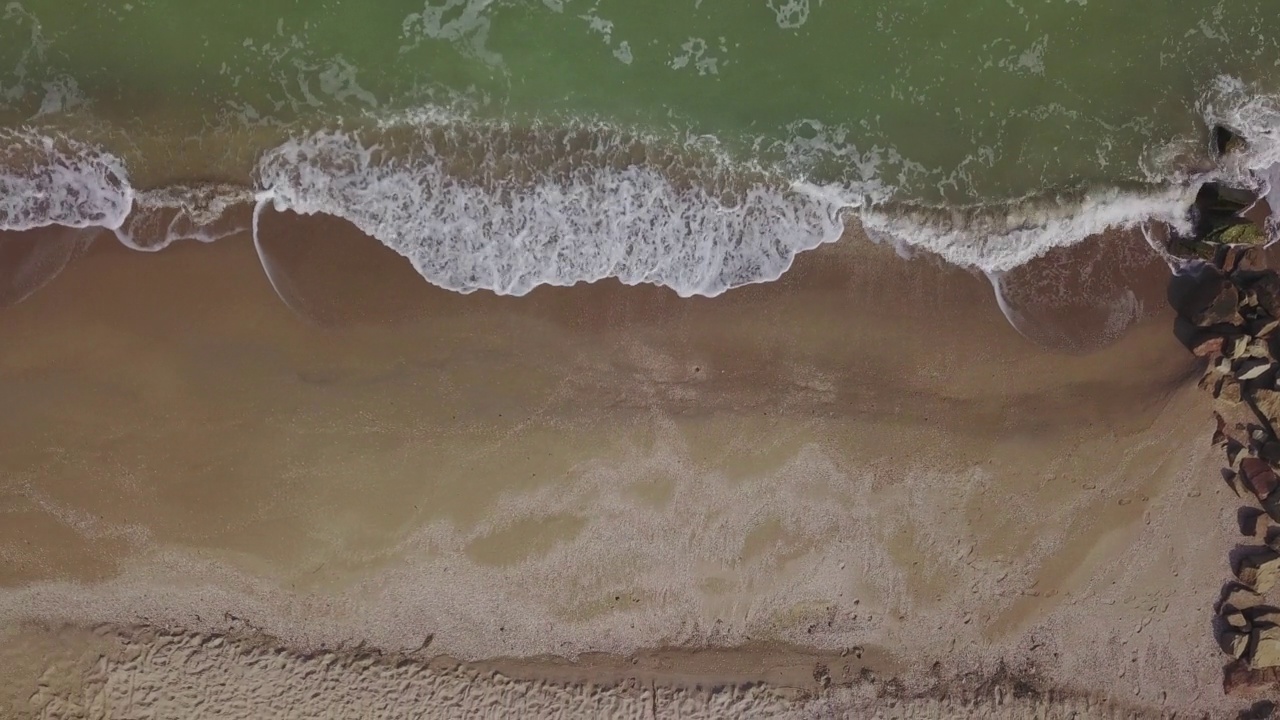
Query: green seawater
[956, 100]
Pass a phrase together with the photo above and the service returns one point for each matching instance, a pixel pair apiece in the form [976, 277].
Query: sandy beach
[857, 491]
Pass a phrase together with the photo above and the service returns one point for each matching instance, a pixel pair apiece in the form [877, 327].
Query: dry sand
[859, 483]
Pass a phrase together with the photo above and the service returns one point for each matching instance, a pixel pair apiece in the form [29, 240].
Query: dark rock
[1216, 208]
[1252, 368]
[1270, 451]
[1235, 454]
[1267, 287]
[1253, 523]
[1194, 288]
[1265, 328]
[1220, 308]
[1258, 477]
[1234, 258]
[1238, 678]
[1264, 615]
[1227, 141]
[1234, 643]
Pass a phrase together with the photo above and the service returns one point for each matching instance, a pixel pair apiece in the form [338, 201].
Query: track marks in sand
[148, 673]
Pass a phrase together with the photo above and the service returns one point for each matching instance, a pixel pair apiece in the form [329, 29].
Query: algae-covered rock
[1245, 233]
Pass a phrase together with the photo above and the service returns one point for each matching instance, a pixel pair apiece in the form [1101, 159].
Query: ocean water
[696, 144]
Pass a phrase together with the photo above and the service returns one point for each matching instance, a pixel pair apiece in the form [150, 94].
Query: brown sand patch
[863, 454]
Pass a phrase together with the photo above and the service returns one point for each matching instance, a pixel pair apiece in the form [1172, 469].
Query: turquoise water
[694, 143]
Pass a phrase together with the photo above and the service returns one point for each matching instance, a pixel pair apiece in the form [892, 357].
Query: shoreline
[715, 198]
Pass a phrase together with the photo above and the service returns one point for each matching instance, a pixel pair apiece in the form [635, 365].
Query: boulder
[1258, 348]
[1216, 210]
[1252, 368]
[1222, 366]
[1265, 647]
[1242, 257]
[1240, 598]
[1227, 141]
[1242, 233]
[1261, 571]
[1237, 347]
[1254, 523]
[1266, 328]
[1234, 643]
[1267, 287]
[1235, 454]
[1227, 390]
[1202, 295]
[1221, 309]
[1207, 345]
[1263, 615]
[1235, 619]
[1239, 678]
[1258, 477]
[1266, 403]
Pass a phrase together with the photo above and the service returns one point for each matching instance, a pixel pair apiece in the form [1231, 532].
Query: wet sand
[863, 460]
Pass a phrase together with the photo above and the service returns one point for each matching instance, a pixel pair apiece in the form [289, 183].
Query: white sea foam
[999, 240]
[57, 181]
[1255, 116]
[166, 215]
[586, 223]
[503, 210]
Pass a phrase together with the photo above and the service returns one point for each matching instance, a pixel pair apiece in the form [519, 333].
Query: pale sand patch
[862, 455]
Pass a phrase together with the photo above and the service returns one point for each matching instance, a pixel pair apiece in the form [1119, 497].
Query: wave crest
[586, 215]
[58, 181]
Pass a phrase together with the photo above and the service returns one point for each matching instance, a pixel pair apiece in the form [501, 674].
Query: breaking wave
[476, 207]
[60, 181]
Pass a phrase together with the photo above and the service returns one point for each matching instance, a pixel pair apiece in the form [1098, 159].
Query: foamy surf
[592, 222]
[494, 208]
[60, 181]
